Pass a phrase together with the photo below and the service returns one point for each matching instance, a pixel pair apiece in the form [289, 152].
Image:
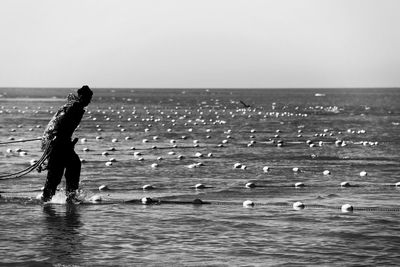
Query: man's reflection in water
[63, 241]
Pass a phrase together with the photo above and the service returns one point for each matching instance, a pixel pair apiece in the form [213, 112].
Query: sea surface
[219, 140]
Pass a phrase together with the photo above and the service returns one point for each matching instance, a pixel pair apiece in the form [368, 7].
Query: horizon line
[204, 88]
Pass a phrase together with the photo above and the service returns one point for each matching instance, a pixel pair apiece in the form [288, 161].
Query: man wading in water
[57, 137]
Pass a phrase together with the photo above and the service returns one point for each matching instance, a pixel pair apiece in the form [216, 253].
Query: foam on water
[58, 198]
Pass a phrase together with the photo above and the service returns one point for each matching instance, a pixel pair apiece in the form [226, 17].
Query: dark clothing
[64, 122]
[62, 156]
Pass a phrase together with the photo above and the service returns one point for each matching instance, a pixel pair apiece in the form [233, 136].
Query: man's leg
[55, 170]
[72, 174]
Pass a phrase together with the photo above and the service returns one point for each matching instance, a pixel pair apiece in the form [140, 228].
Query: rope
[199, 202]
[306, 186]
[272, 186]
[46, 153]
[21, 141]
[231, 203]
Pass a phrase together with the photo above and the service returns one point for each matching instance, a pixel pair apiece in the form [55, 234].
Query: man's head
[85, 95]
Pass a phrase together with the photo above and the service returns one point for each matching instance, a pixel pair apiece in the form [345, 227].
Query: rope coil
[37, 165]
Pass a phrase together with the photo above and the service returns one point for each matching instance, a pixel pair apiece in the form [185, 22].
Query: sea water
[208, 137]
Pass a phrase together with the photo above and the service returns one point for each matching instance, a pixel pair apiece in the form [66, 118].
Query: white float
[146, 200]
[248, 204]
[347, 208]
[103, 187]
[345, 184]
[326, 172]
[298, 205]
[148, 187]
[250, 185]
[199, 186]
[237, 165]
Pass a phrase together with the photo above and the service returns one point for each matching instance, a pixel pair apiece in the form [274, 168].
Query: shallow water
[222, 233]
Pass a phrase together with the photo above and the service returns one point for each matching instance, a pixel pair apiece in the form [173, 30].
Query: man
[57, 137]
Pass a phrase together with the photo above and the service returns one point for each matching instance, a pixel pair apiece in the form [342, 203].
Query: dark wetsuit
[62, 156]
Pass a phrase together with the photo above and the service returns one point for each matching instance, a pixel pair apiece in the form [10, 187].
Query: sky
[200, 43]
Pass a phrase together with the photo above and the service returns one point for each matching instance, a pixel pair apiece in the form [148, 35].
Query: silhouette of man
[57, 136]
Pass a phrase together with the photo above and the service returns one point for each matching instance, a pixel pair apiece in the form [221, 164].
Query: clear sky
[200, 43]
